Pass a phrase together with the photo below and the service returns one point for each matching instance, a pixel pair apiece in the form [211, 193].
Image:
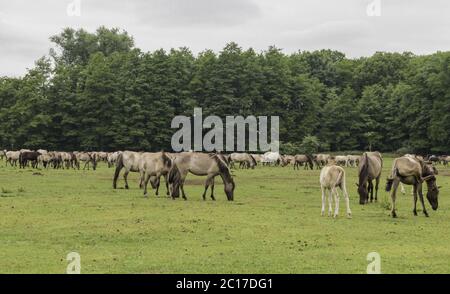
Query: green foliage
[97, 91]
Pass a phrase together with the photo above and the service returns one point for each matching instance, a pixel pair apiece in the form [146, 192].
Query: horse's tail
[389, 184]
[310, 161]
[341, 179]
[174, 180]
[390, 181]
[119, 166]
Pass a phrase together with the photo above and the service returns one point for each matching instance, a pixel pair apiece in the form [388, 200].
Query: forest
[98, 91]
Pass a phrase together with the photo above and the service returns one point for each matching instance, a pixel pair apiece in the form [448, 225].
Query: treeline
[97, 91]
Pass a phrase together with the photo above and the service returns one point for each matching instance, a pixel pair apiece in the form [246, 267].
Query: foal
[331, 177]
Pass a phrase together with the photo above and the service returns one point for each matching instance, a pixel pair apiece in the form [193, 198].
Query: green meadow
[273, 226]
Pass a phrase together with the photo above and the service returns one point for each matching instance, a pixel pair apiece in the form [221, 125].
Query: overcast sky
[403, 25]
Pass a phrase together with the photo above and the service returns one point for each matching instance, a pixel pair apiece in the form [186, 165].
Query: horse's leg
[183, 178]
[212, 189]
[330, 200]
[141, 178]
[146, 179]
[415, 199]
[347, 200]
[323, 200]
[393, 196]
[370, 189]
[419, 189]
[377, 183]
[158, 181]
[182, 191]
[336, 202]
[206, 188]
[125, 177]
[167, 184]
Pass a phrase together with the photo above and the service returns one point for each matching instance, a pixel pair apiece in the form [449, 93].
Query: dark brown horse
[28, 156]
[370, 168]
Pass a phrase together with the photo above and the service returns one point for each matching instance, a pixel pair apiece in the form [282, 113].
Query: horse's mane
[253, 159]
[166, 159]
[364, 173]
[223, 168]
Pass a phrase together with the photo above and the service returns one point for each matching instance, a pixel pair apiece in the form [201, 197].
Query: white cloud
[404, 25]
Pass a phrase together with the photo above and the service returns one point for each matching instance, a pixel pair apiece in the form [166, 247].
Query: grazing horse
[341, 160]
[257, 157]
[2, 154]
[200, 164]
[353, 160]
[301, 159]
[87, 158]
[12, 157]
[245, 160]
[331, 177]
[369, 169]
[321, 160]
[152, 167]
[270, 157]
[413, 171]
[27, 156]
[130, 161]
[112, 158]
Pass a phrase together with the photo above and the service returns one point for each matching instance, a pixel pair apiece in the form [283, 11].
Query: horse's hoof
[415, 212]
[349, 215]
[426, 214]
[394, 215]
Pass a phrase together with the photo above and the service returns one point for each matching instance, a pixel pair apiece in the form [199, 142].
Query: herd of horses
[409, 169]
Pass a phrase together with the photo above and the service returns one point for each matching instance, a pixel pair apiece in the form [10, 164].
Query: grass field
[273, 226]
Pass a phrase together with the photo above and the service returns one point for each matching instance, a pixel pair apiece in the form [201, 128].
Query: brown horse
[152, 167]
[413, 171]
[199, 164]
[369, 169]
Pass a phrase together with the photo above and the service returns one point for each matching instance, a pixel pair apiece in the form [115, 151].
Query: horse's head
[429, 176]
[229, 189]
[363, 194]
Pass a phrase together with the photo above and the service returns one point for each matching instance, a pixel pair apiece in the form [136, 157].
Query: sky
[355, 27]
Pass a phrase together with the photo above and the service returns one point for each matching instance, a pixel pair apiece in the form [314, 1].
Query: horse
[200, 164]
[341, 160]
[12, 157]
[130, 161]
[245, 160]
[152, 167]
[270, 157]
[301, 159]
[112, 158]
[2, 154]
[369, 169]
[321, 160]
[27, 156]
[413, 171]
[353, 160]
[331, 177]
[87, 158]
[257, 157]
